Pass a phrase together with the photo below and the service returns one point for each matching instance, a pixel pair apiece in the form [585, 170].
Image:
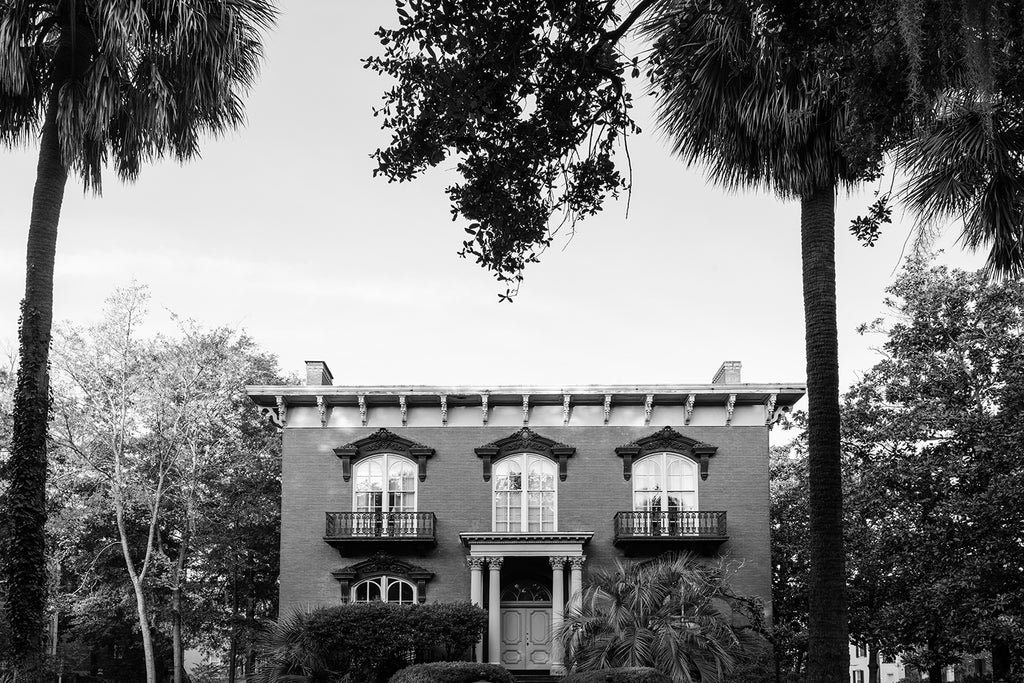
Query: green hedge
[622, 675]
[453, 672]
[367, 642]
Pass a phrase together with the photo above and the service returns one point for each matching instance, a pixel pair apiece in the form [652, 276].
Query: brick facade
[455, 491]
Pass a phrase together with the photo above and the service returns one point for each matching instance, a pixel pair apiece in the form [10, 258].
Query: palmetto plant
[102, 83]
[731, 99]
[969, 165]
[670, 613]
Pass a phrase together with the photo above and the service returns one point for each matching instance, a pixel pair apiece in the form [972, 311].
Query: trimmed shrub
[626, 674]
[453, 672]
[366, 642]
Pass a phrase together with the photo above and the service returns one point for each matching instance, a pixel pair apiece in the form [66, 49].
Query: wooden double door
[526, 637]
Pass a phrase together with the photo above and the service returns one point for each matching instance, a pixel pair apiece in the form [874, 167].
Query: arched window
[664, 482]
[525, 495]
[384, 483]
[384, 589]
[526, 591]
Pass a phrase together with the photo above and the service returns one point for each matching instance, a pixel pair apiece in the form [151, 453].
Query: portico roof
[545, 543]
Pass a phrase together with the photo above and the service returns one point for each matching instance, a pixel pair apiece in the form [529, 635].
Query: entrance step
[534, 677]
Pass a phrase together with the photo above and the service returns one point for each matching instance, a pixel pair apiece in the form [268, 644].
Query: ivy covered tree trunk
[26, 498]
[828, 653]
[873, 674]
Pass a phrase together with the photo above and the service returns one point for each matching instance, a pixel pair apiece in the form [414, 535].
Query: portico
[520, 632]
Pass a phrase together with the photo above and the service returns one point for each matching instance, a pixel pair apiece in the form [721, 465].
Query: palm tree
[670, 613]
[967, 165]
[732, 101]
[101, 82]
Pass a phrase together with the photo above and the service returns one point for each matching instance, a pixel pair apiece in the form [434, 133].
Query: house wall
[454, 490]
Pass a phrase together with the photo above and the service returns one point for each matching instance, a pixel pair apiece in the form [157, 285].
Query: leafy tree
[103, 82]
[788, 517]
[671, 613]
[159, 428]
[932, 456]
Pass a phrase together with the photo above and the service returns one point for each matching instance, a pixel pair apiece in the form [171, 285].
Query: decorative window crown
[665, 440]
[382, 441]
[383, 564]
[526, 441]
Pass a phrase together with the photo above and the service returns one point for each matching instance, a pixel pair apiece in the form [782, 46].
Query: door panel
[538, 647]
[513, 638]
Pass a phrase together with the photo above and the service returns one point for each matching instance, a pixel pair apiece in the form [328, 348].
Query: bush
[627, 674]
[366, 642]
[453, 672]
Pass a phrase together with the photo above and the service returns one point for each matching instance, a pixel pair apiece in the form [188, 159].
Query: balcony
[367, 531]
[655, 530]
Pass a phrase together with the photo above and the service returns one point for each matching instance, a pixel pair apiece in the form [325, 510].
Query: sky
[281, 230]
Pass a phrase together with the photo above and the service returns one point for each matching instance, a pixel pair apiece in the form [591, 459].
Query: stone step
[535, 677]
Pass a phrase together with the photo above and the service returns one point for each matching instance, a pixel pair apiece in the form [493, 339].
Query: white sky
[280, 229]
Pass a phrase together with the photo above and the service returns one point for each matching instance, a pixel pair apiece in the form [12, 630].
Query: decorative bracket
[402, 406]
[272, 414]
[729, 407]
[566, 408]
[362, 409]
[444, 410]
[607, 408]
[282, 411]
[769, 410]
[648, 408]
[690, 400]
[383, 441]
[322, 408]
[526, 441]
[483, 406]
[526, 409]
[627, 453]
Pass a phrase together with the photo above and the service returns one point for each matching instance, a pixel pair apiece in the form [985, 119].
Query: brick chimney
[318, 374]
[729, 373]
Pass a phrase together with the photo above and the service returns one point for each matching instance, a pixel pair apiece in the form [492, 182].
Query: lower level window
[384, 589]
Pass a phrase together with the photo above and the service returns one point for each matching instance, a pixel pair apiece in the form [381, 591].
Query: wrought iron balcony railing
[679, 525]
[380, 527]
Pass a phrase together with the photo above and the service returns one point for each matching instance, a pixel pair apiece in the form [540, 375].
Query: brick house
[504, 495]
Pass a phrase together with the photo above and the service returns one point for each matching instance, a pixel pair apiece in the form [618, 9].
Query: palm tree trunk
[828, 656]
[26, 498]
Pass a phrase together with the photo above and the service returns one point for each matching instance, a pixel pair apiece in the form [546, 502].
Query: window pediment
[526, 441]
[666, 440]
[383, 564]
[383, 441]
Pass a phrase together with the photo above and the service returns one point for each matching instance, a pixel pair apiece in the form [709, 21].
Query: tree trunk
[136, 578]
[1001, 660]
[179, 571]
[828, 656]
[873, 676]
[147, 636]
[26, 497]
[935, 673]
[233, 650]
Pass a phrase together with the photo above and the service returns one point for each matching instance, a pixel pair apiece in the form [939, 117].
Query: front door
[526, 637]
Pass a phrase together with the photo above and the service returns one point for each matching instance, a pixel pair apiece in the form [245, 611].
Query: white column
[557, 607]
[476, 594]
[494, 611]
[575, 580]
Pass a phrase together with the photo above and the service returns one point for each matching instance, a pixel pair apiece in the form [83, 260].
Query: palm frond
[135, 81]
[968, 166]
[671, 613]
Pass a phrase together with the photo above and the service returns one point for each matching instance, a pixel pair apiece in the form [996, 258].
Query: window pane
[401, 476]
[368, 591]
